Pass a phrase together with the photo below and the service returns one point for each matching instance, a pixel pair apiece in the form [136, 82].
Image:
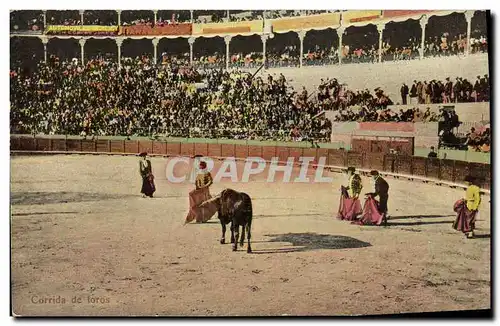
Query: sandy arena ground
[81, 232]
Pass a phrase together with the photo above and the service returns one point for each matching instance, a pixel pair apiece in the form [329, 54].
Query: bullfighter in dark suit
[375, 212]
[146, 171]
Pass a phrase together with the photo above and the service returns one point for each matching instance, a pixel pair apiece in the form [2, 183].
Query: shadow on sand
[59, 197]
[418, 216]
[311, 241]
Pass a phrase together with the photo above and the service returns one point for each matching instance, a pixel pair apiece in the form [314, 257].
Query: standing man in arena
[199, 195]
[467, 208]
[350, 206]
[146, 171]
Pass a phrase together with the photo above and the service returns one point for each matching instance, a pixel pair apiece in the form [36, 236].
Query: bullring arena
[81, 231]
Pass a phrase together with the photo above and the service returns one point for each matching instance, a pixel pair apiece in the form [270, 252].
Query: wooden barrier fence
[440, 169]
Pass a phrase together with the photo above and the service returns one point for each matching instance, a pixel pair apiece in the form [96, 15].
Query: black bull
[236, 208]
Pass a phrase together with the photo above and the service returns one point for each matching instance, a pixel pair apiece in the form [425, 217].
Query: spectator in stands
[432, 153]
[404, 93]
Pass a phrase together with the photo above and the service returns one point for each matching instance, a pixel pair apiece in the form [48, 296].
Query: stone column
[119, 12]
[192, 16]
[468, 16]
[155, 49]
[423, 23]
[191, 41]
[156, 16]
[119, 43]
[82, 42]
[264, 38]
[227, 39]
[380, 29]
[302, 35]
[82, 12]
[44, 18]
[45, 40]
[340, 33]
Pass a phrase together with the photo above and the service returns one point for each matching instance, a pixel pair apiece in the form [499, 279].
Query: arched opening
[479, 32]
[169, 16]
[100, 17]
[101, 49]
[64, 49]
[360, 44]
[137, 49]
[245, 15]
[174, 51]
[245, 51]
[401, 40]
[446, 35]
[321, 47]
[283, 50]
[25, 52]
[209, 52]
[137, 17]
[209, 16]
[63, 17]
[26, 20]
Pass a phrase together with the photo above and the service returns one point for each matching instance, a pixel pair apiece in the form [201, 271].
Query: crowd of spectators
[245, 15]
[142, 99]
[274, 14]
[407, 51]
[287, 56]
[26, 20]
[460, 91]
[479, 140]
[100, 17]
[374, 114]
[249, 60]
[445, 45]
[321, 56]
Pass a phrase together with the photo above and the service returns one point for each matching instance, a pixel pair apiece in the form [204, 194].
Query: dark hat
[447, 78]
[143, 154]
[374, 172]
[351, 169]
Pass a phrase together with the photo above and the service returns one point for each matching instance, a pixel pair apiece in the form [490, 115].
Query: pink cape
[200, 214]
[349, 208]
[371, 215]
[466, 219]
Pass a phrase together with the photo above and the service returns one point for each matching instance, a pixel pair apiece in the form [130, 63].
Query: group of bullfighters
[374, 212]
[235, 207]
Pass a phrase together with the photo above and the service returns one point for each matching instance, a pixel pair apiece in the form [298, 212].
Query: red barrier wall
[146, 146]
[254, 151]
[74, 145]
[173, 148]
[241, 151]
[449, 170]
[268, 152]
[215, 150]
[227, 150]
